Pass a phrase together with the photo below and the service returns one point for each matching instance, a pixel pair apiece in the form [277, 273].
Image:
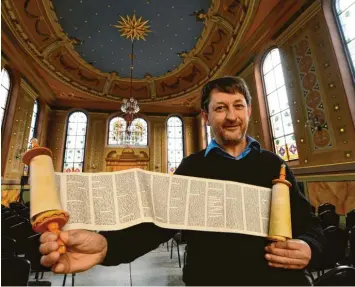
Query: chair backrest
[326, 206]
[8, 246]
[329, 218]
[338, 276]
[4, 208]
[21, 231]
[7, 213]
[350, 219]
[15, 271]
[11, 221]
[17, 206]
[31, 247]
[335, 248]
[24, 213]
[352, 245]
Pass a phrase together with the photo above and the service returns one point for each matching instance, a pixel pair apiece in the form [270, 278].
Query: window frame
[167, 139]
[208, 134]
[265, 95]
[8, 98]
[343, 41]
[66, 136]
[36, 123]
[124, 145]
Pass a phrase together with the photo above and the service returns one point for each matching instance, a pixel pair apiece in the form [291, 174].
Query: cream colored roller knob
[280, 228]
[45, 208]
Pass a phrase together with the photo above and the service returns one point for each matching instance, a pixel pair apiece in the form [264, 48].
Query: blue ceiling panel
[173, 29]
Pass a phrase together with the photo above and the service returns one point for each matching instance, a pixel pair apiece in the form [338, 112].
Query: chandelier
[130, 106]
[134, 29]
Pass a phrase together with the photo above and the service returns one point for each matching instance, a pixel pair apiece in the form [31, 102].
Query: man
[213, 258]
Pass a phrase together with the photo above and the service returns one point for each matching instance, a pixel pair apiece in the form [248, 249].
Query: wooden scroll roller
[46, 211]
[280, 212]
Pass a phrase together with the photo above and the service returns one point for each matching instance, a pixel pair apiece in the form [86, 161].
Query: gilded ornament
[133, 28]
[347, 154]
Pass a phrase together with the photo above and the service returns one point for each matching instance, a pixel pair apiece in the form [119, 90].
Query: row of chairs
[329, 217]
[339, 250]
[20, 246]
[338, 275]
[340, 246]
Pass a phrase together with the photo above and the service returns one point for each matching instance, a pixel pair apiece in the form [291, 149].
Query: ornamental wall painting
[316, 119]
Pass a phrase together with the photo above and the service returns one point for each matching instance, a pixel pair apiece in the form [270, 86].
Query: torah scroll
[117, 200]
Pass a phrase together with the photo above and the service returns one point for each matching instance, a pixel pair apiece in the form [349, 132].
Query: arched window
[175, 131]
[345, 12]
[33, 130]
[33, 126]
[208, 134]
[279, 112]
[75, 142]
[137, 136]
[4, 92]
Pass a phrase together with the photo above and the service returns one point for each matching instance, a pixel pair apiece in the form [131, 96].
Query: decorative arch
[74, 152]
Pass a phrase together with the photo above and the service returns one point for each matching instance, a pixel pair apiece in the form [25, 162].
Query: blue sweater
[216, 258]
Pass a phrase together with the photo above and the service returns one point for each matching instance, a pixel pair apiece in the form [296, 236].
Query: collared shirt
[252, 144]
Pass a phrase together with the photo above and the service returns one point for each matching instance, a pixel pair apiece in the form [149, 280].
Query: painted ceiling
[85, 62]
[173, 29]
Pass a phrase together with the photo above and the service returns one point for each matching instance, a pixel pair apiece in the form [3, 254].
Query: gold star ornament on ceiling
[133, 28]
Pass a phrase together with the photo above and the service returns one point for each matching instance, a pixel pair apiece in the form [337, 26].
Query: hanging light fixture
[134, 29]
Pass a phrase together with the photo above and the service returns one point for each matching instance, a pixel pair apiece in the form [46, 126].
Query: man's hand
[290, 254]
[85, 249]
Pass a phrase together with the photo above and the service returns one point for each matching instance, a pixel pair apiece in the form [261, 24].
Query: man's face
[228, 115]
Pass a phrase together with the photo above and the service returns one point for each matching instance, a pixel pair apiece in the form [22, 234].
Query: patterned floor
[153, 269]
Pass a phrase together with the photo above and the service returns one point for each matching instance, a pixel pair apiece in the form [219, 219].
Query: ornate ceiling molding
[36, 27]
[28, 89]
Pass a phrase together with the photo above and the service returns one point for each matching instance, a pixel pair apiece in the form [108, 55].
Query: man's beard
[232, 139]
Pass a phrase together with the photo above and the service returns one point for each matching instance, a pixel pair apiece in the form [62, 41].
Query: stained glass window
[75, 142]
[175, 132]
[208, 134]
[32, 133]
[345, 11]
[33, 123]
[279, 111]
[4, 92]
[137, 134]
